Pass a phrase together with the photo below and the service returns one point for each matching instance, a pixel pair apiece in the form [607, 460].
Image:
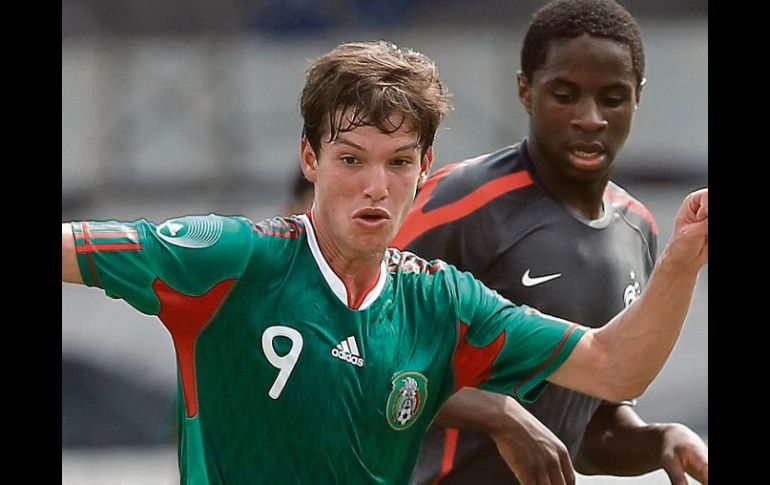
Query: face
[581, 102]
[365, 183]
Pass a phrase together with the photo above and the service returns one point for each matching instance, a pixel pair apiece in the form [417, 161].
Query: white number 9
[285, 363]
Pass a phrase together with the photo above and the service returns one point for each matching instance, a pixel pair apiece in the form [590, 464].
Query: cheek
[621, 123]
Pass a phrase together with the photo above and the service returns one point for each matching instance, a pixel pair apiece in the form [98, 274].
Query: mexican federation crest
[406, 399]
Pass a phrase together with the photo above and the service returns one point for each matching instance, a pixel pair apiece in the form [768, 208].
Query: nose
[376, 184]
[588, 116]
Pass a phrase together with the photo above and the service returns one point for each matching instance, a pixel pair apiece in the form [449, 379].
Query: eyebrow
[343, 141]
[617, 84]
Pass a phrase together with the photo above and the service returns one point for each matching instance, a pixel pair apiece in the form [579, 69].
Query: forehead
[595, 57]
[395, 131]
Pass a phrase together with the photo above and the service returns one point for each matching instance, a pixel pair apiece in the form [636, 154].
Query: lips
[587, 155]
[372, 213]
[371, 217]
[587, 150]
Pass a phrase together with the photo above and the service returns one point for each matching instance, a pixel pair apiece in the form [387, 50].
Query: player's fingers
[703, 210]
[698, 468]
[698, 204]
[675, 472]
[567, 471]
[544, 477]
[705, 474]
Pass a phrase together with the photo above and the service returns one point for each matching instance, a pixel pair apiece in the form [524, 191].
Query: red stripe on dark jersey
[419, 222]
[106, 247]
[91, 265]
[185, 316]
[448, 457]
[550, 359]
[635, 206]
[473, 365]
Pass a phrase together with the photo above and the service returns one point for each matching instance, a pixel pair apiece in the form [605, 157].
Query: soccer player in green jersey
[310, 352]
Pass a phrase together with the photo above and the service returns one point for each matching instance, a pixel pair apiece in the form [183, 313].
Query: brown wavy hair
[366, 84]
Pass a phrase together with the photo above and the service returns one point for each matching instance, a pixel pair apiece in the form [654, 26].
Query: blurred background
[174, 107]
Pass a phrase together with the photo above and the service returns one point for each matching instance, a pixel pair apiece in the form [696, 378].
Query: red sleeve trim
[550, 359]
[91, 264]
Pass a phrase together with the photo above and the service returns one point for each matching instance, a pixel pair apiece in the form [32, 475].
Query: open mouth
[587, 155]
[372, 216]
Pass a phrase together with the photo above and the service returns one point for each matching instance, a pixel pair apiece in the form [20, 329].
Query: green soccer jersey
[284, 379]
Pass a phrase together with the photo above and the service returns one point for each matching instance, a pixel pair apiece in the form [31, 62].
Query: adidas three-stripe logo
[347, 350]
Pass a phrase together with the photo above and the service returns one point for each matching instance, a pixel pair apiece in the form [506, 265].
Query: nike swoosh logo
[526, 280]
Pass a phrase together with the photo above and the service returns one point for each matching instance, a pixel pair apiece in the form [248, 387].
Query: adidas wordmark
[347, 350]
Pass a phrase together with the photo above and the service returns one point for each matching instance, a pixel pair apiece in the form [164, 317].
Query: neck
[358, 271]
[582, 196]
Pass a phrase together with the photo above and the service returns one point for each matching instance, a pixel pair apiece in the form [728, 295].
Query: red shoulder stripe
[633, 205]
[419, 222]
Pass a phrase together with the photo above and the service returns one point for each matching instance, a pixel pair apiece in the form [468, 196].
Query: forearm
[618, 442]
[637, 342]
[477, 410]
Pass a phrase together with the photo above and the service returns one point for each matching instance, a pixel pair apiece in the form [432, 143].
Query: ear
[425, 163]
[308, 161]
[525, 95]
[639, 92]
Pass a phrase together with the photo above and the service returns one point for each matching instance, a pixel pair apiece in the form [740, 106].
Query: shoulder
[436, 276]
[478, 179]
[407, 263]
[280, 227]
[209, 234]
[632, 209]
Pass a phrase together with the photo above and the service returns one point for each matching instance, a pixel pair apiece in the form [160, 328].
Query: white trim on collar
[334, 281]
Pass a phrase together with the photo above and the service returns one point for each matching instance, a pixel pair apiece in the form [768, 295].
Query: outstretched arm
[618, 361]
[617, 442]
[528, 447]
[69, 261]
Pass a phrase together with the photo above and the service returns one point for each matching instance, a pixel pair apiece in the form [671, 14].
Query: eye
[563, 97]
[349, 160]
[401, 162]
[613, 101]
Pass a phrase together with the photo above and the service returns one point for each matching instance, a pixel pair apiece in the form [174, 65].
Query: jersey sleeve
[504, 347]
[135, 260]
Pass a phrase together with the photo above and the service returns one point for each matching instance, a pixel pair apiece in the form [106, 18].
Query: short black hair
[572, 18]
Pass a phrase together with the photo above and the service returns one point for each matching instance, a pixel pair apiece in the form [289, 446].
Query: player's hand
[684, 452]
[689, 243]
[534, 454]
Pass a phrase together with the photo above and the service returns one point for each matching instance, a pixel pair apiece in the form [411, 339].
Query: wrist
[508, 416]
[675, 267]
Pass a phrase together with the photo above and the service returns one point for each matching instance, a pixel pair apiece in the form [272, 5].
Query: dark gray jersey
[490, 216]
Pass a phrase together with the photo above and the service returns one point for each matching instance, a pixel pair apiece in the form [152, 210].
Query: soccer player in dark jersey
[310, 352]
[541, 222]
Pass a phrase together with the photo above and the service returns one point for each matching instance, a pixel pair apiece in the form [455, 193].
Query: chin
[372, 243]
